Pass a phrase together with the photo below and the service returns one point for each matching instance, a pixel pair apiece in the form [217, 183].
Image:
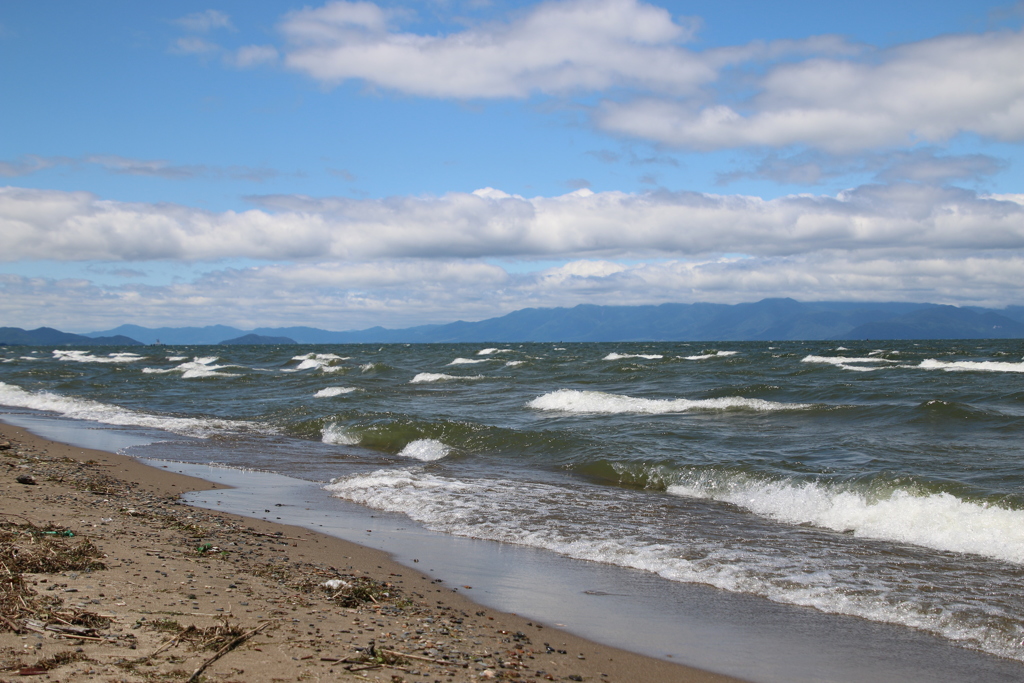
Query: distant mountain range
[769, 319]
[47, 336]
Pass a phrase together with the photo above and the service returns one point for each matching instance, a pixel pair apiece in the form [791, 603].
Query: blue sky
[348, 164]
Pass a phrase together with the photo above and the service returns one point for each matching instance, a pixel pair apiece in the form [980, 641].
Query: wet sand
[181, 585]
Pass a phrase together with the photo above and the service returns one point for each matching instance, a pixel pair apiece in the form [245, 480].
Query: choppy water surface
[881, 482]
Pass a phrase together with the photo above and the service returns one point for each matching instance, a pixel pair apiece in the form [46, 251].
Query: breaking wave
[573, 401]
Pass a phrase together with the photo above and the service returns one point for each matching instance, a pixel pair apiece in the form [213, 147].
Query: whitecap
[712, 354]
[970, 365]
[843, 361]
[428, 377]
[334, 433]
[489, 351]
[197, 368]
[620, 356]
[87, 357]
[573, 401]
[938, 520]
[327, 362]
[425, 449]
[333, 391]
[468, 361]
[85, 409]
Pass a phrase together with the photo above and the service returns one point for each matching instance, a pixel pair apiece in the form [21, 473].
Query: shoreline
[210, 567]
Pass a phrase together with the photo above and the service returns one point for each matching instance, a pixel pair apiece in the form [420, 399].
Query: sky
[350, 164]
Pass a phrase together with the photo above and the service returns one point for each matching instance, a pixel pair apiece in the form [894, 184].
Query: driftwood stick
[226, 649]
[14, 627]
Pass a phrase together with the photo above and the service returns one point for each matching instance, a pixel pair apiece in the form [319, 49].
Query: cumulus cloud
[928, 91]
[555, 47]
[820, 92]
[400, 293]
[905, 219]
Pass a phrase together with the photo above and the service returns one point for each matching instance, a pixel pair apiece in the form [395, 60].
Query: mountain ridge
[768, 319]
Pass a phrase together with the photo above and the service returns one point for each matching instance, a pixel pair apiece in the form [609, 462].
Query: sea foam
[87, 357]
[195, 369]
[621, 356]
[937, 520]
[542, 516]
[574, 401]
[712, 354]
[333, 391]
[425, 449]
[85, 409]
[430, 377]
[970, 365]
[334, 433]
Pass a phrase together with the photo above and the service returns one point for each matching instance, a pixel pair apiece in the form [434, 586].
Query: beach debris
[5, 446]
[26, 479]
[335, 584]
[362, 589]
[226, 649]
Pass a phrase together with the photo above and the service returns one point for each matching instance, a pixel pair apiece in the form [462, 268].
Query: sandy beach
[107, 576]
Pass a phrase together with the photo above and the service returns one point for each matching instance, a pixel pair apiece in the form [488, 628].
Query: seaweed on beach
[18, 601]
[211, 637]
[30, 549]
[362, 589]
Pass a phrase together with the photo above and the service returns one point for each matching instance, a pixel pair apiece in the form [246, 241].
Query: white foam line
[573, 401]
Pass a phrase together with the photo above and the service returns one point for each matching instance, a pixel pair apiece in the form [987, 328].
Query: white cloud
[203, 22]
[254, 55]
[556, 47]
[400, 293]
[911, 220]
[929, 91]
[820, 92]
[194, 45]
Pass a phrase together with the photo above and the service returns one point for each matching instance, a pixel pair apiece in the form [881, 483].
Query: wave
[428, 377]
[469, 361]
[87, 357]
[970, 365]
[333, 391]
[711, 354]
[559, 518]
[195, 369]
[514, 363]
[621, 356]
[425, 449]
[94, 411]
[940, 521]
[573, 401]
[843, 360]
[853, 364]
[336, 434]
[328, 362]
[489, 351]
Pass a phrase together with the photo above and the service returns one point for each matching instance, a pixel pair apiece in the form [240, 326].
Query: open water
[884, 482]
